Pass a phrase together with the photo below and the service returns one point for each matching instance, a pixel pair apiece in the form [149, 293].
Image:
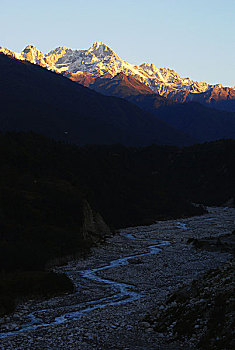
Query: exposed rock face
[55, 55]
[84, 78]
[94, 227]
[100, 60]
[120, 85]
[33, 55]
[217, 97]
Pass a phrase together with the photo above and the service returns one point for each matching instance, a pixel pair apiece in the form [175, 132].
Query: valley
[117, 285]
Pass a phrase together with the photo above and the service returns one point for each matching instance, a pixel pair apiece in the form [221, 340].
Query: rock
[113, 326]
[149, 330]
[145, 324]
[173, 304]
[160, 335]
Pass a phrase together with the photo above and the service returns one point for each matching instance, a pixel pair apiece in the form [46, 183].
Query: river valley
[116, 286]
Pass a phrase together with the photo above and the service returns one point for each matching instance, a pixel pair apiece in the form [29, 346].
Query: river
[116, 286]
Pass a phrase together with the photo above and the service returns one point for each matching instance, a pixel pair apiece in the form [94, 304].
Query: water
[181, 226]
[123, 293]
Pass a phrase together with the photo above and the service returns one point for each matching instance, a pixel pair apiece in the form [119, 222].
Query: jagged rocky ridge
[99, 60]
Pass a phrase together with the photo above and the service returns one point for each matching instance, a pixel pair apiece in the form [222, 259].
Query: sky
[195, 38]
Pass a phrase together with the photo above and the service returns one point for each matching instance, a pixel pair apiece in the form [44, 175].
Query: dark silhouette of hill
[33, 98]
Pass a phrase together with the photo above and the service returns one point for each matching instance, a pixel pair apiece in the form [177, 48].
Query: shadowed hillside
[193, 118]
[33, 98]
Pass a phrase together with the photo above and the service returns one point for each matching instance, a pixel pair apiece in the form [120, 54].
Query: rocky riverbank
[200, 314]
[117, 285]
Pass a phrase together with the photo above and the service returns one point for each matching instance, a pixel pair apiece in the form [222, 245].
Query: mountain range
[100, 60]
[44, 100]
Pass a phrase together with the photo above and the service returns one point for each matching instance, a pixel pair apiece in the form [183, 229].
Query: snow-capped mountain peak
[96, 45]
[101, 60]
[55, 55]
[100, 50]
[153, 71]
[57, 51]
[32, 54]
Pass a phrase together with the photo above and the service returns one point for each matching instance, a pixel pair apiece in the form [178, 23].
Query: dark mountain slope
[123, 86]
[33, 98]
[222, 98]
[200, 122]
[150, 102]
[217, 97]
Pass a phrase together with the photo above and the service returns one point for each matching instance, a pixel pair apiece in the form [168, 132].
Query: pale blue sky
[195, 38]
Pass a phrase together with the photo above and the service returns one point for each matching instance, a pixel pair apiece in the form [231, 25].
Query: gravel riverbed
[114, 293]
